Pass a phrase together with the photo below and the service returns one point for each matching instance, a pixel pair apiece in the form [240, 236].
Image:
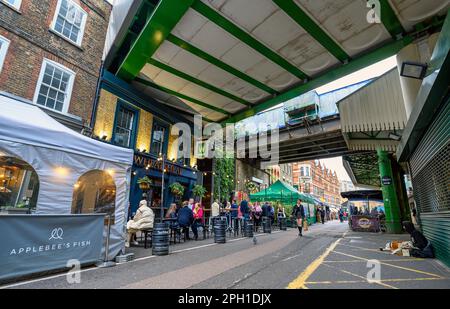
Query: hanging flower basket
[145, 183]
[177, 189]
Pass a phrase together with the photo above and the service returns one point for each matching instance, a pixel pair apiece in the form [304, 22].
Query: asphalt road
[322, 258]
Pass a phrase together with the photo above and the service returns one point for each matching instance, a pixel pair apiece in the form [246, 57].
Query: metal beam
[163, 19]
[300, 154]
[315, 157]
[246, 38]
[307, 23]
[218, 63]
[180, 95]
[322, 146]
[196, 81]
[380, 54]
[390, 20]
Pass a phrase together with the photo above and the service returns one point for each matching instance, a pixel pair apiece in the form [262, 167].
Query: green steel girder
[307, 23]
[161, 22]
[380, 54]
[215, 17]
[196, 81]
[389, 19]
[180, 95]
[218, 63]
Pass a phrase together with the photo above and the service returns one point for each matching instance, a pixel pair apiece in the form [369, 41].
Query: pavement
[327, 256]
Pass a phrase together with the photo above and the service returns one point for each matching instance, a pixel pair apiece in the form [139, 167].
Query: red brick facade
[313, 178]
[32, 40]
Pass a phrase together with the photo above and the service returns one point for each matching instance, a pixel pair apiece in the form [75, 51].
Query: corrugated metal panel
[430, 167]
[436, 138]
[378, 106]
[436, 227]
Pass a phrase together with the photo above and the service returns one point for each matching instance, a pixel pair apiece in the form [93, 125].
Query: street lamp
[413, 70]
[162, 157]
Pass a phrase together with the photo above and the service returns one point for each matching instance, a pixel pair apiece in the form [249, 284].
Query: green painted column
[391, 204]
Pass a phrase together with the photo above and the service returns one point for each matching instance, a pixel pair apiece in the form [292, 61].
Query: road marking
[384, 280]
[361, 261]
[364, 249]
[299, 282]
[133, 261]
[394, 266]
[379, 282]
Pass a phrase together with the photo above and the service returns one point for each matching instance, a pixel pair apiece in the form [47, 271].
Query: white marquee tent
[60, 156]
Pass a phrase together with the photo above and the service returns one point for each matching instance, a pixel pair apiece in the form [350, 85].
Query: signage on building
[386, 181]
[257, 180]
[39, 243]
[142, 161]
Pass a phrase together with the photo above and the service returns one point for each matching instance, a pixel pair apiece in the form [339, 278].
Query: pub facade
[126, 117]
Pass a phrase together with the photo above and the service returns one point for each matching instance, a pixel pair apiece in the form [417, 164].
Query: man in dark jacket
[265, 209]
[185, 220]
[299, 214]
[245, 210]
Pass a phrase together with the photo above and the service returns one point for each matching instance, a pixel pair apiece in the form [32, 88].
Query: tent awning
[28, 124]
[280, 191]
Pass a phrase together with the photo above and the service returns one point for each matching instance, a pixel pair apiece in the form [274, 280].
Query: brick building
[314, 178]
[51, 54]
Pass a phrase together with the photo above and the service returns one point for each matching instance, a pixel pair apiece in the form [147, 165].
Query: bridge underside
[320, 141]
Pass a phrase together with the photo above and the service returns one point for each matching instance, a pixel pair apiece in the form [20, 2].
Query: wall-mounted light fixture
[413, 70]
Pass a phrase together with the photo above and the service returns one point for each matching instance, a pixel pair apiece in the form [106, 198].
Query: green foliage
[199, 191]
[145, 180]
[177, 189]
[224, 177]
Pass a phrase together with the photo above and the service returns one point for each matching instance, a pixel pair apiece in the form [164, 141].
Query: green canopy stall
[285, 194]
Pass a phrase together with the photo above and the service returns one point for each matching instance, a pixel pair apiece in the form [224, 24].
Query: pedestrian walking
[299, 214]
[322, 215]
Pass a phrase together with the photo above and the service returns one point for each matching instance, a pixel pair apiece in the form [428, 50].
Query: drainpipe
[97, 97]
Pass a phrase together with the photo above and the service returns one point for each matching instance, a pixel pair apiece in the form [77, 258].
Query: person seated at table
[198, 219]
[142, 220]
[185, 219]
[422, 247]
[172, 216]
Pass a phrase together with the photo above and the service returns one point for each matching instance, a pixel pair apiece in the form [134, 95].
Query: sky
[365, 74]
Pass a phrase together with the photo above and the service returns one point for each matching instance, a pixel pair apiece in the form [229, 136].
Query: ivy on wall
[224, 170]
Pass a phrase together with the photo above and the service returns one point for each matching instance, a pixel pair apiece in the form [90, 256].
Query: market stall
[49, 169]
[370, 216]
[287, 195]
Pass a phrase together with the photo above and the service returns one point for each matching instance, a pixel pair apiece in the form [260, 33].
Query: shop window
[54, 86]
[159, 138]
[94, 192]
[13, 3]
[70, 21]
[4, 43]
[19, 185]
[125, 126]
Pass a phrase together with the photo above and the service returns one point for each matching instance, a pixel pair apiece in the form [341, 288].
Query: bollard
[220, 226]
[266, 222]
[283, 225]
[160, 239]
[106, 263]
[248, 229]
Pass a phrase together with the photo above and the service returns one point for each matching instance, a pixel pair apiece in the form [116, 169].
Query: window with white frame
[4, 43]
[14, 3]
[69, 21]
[54, 86]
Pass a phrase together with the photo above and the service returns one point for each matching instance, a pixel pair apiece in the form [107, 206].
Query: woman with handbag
[299, 214]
